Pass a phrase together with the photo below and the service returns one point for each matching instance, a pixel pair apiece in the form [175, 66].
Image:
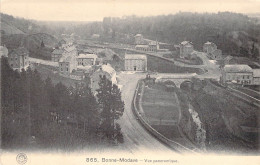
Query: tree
[112, 108]
[42, 44]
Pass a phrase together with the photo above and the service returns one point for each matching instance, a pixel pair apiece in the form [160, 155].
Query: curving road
[137, 139]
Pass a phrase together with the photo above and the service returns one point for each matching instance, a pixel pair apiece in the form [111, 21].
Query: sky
[95, 10]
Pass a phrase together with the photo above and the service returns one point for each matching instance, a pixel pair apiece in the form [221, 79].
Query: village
[74, 61]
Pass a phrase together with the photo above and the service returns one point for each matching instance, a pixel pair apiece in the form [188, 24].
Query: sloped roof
[108, 68]
[142, 46]
[138, 35]
[87, 56]
[186, 42]
[135, 56]
[209, 43]
[58, 51]
[256, 72]
[65, 59]
[70, 48]
[238, 68]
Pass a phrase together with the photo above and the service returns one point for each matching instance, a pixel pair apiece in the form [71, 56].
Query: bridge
[177, 79]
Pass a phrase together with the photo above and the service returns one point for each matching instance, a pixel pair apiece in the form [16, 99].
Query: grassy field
[163, 66]
[161, 109]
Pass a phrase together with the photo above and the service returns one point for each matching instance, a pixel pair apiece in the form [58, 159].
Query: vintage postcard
[130, 82]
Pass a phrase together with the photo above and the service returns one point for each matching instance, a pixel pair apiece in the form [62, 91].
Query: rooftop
[108, 68]
[135, 56]
[238, 68]
[65, 59]
[87, 56]
[142, 46]
[186, 42]
[57, 51]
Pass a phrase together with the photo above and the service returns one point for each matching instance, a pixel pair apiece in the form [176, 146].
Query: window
[67, 69]
[247, 77]
[61, 69]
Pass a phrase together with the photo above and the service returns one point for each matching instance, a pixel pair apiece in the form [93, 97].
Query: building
[216, 54]
[67, 64]
[238, 74]
[139, 39]
[186, 48]
[209, 47]
[103, 71]
[77, 75]
[56, 55]
[3, 51]
[18, 58]
[69, 50]
[256, 76]
[147, 48]
[135, 62]
[86, 59]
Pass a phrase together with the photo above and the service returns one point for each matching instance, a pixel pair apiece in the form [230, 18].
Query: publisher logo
[21, 158]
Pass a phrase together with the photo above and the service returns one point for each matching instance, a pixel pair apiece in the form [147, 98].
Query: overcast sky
[95, 10]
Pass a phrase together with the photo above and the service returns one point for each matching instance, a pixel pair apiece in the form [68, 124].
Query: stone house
[67, 64]
[208, 47]
[256, 76]
[238, 74]
[86, 59]
[216, 54]
[135, 62]
[18, 58]
[186, 48]
[56, 55]
[103, 71]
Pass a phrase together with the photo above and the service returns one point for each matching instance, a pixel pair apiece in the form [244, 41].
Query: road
[136, 139]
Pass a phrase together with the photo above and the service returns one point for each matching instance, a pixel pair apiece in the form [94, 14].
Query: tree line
[37, 113]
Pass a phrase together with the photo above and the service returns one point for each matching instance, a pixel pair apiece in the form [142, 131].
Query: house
[77, 75]
[256, 76]
[3, 51]
[139, 39]
[56, 55]
[135, 62]
[67, 64]
[186, 48]
[86, 59]
[239, 74]
[209, 47]
[216, 54]
[70, 50]
[103, 71]
[18, 58]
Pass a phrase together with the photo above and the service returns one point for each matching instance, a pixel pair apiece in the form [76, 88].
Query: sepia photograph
[130, 82]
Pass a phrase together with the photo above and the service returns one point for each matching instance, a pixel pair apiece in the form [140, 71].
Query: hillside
[195, 27]
[17, 32]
